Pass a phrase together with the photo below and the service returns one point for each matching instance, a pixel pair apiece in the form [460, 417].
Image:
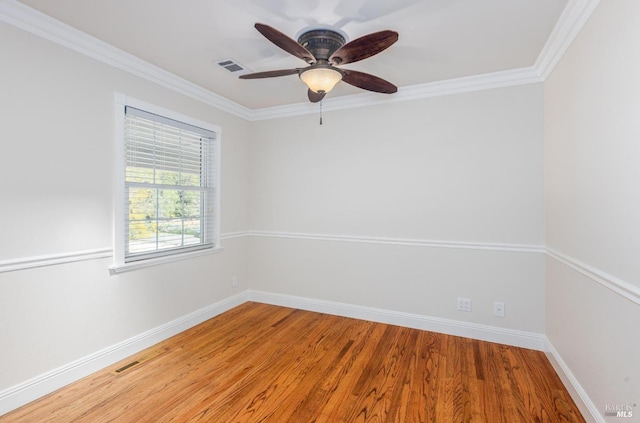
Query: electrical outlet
[234, 281]
[464, 304]
[498, 309]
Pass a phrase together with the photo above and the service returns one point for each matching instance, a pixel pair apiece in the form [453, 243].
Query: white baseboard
[535, 341]
[32, 389]
[588, 409]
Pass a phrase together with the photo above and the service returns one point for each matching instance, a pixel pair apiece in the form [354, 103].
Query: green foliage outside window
[156, 212]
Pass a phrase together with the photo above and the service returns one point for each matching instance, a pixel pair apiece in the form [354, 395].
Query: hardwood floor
[262, 363]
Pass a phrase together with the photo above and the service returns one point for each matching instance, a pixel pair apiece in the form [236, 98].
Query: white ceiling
[439, 39]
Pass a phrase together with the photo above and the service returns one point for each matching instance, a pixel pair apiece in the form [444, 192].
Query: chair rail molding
[53, 259]
[466, 245]
[23, 263]
[617, 285]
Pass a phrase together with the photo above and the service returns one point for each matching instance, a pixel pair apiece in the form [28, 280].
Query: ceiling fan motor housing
[324, 49]
[322, 43]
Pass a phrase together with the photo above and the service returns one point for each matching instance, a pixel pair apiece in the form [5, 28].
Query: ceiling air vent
[232, 66]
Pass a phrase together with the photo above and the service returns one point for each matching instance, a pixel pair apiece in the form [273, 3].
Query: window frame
[120, 264]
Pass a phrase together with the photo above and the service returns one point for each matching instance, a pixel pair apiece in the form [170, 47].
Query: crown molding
[508, 78]
[28, 19]
[574, 16]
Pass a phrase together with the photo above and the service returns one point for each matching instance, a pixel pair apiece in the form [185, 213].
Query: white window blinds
[169, 186]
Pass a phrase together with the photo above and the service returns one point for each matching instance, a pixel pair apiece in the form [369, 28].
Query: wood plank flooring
[262, 363]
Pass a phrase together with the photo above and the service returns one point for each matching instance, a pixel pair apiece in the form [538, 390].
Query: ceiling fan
[324, 50]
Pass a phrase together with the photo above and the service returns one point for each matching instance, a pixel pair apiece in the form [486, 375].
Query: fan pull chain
[320, 112]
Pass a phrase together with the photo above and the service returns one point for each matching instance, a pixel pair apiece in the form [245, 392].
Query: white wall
[56, 180]
[592, 174]
[462, 169]
[334, 208]
[465, 169]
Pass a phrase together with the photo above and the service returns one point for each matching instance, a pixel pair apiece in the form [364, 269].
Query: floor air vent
[140, 360]
[126, 367]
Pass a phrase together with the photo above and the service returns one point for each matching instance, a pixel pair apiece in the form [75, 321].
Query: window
[167, 201]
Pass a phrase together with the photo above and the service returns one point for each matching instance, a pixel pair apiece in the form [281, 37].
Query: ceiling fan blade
[364, 47]
[368, 82]
[270, 74]
[315, 97]
[284, 42]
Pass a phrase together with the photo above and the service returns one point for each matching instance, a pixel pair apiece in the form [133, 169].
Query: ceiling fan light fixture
[324, 49]
[321, 79]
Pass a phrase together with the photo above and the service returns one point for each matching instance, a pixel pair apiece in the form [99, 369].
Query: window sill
[115, 269]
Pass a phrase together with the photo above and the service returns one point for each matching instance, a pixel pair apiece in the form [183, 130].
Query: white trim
[121, 101]
[217, 187]
[447, 326]
[25, 392]
[577, 392]
[574, 16]
[25, 263]
[143, 264]
[118, 223]
[234, 235]
[32, 389]
[509, 78]
[125, 100]
[611, 282]
[42, 25]
[514, 248]
[53, 259]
